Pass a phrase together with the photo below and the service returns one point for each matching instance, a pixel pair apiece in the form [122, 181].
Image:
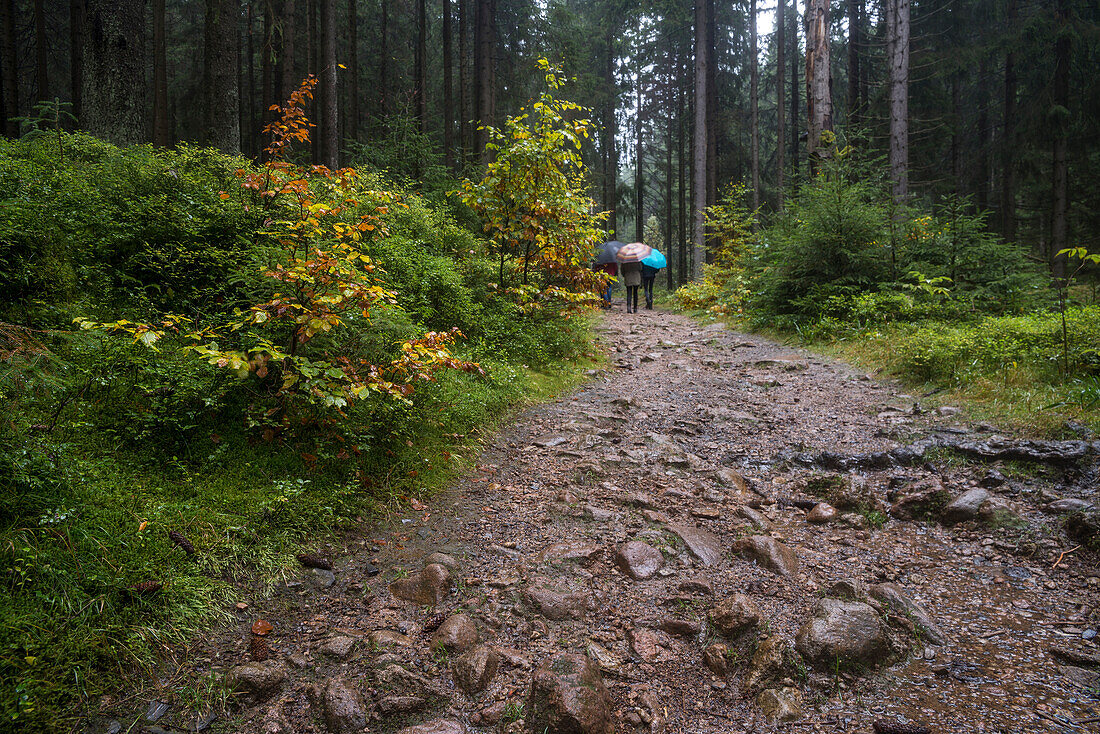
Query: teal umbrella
[655, 260]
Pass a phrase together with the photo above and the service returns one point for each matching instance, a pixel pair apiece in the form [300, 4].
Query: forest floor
[662, 522]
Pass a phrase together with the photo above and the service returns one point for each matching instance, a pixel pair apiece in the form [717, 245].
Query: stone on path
[568, 551]
[389, 638]
[1067, 505]
[716, 658]
[643, 643]
[773, 660]
[848, 632]
[338, 647]
[259, 679]
[769, 553]
[893, 595]
[439, 726]
[556, 605]
[922, 499]
[735, 615]
[345, 710]
[966, 505]
[568, 697]
[457, 634]
[428, 587]
[704, 545]
[474, 669]
[783, 704]
[639, 560]
[822, 513]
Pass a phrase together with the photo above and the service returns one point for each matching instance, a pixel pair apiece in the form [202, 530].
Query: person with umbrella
[651, 265]
[630, 267]
[605, 261]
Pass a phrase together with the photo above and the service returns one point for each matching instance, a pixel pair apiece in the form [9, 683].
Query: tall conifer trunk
[639, 173]
[1008, 144]
[610, 157]
[464, 96]
[1059, 221]
[221, 127]
[10, 63]
[754, 105]
[162, 118]
[383, 60]
[330, 135]
[855, 42]
[76, 56]
[420, 81]
[699, 154]
[353, 114]
[819, 103]
[41, 72]
[114, 71]
[780, 100]
[448, 90]
[486, 72]
[897, 29]
[795, 87]
[288, 79]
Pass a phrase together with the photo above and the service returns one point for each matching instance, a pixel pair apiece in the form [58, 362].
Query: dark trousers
[647, 284]
[631, 295]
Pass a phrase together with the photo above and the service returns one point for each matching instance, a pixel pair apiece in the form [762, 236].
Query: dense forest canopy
[1001, 95]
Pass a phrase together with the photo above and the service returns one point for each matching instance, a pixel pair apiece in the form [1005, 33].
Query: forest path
[620, 522]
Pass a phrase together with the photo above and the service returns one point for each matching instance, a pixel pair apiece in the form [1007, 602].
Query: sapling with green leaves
[1086, 258]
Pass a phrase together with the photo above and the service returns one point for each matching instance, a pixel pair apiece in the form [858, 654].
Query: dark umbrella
[606, 253]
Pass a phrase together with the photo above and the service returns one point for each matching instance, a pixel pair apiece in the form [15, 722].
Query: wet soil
[688, 426]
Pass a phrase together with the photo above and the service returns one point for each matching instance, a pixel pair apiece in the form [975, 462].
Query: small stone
[639, 560]
[443, 560]
[598, 514]
[784, 704]
[643, 643]
[389, 638]
[681, 627]
[735, 615]
[320, 578]
[965, 506]
[556, 605]
[696, 586]
[428, 587]
[569, 551]
[456, 634]
[716, 657]
[474, 669]
[338, 647]
[345, 710]
[821, 513]
[1067, 505]
[397, 704]
[755, 517]
[439, 726]
[769, 553]
[259, 679]
[773, 660]
[568, 697]
[704, 545]
[893, 595]
[850, 632]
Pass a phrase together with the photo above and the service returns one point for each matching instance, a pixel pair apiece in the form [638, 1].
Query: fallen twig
[1062, 555]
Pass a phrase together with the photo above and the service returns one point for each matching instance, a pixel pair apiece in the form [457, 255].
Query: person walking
[649, 276]
[631, 273]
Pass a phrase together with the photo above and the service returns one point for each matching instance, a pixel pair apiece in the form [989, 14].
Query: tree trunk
[313, 108]
[76, 56]
[639, 174]
[448, 90]
[1008, 144]
[330, 136]
[984, 144]
[464, 79]
[288, 79]
[383, 60]
[11, 69]
[700, 145]
[1059, 221]
[780, 100]
[267, 72]
[420, 82]
[41, 74]
[669, 82]
[220, 126]
[486, 73]
[681, 182]
[251, 126]
[162, 119]
[795, 92]
[610, 157]
[897, 29]
[855, 41]
[114, 71]
[956, 133]
[353, 115]
[819, 104]
[754, 106]
[712, 107]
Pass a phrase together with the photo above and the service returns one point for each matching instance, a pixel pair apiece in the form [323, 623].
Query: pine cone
[147, 587]
[432, 624]
[181, 541]
[259, 649]
[883, 726]
[313, 560]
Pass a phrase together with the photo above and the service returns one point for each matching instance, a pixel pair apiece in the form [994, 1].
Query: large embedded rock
[639, 560]
[703, 545]
[428, 587]
[848, 632]
[769, 553]
[893, 595]
[345, 710]
[922, 499]
[474, 669]
[775, 658]
[457, 634]
[966, 506]
[259, 679]
[554, 604]
[735, 615]
[568, 697]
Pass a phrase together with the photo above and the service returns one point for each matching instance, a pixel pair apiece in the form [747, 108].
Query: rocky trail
[716, 534]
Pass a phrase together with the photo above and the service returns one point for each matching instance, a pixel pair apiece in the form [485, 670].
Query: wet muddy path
[663, 521]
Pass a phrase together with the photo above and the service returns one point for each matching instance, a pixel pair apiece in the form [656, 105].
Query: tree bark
[700, 153]
[313, 108]
[610, 157]
[681, 181]
[669, 85]
[420, 82]
[288, 79]
[162, 119]
[76, 56]
[819, 104]
[712, 107]
[250, 127]
[984, 144]
[897, 28]
[267, 72]
[639, 173]
[383, 60]
[1059, 220]
[754, 106]
[10, 62]
[353, 113]
[464, 96]
[41, 73]
[220, 90]
[448, 90]
[855, 42]
[1008, 149]
[780, 100]
[330, 135]
[486, 73]
[114, 71]
[795, 92]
